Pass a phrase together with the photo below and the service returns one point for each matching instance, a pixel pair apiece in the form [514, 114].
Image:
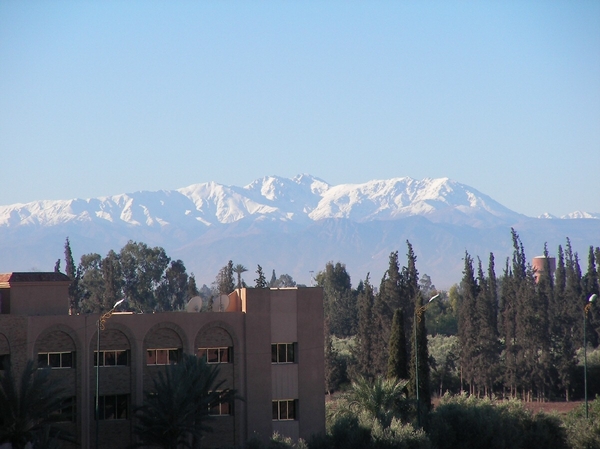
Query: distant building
[539, 264]
[268, 344]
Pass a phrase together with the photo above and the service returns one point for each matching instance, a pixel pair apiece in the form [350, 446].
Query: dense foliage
[31, 403]
[176, 412]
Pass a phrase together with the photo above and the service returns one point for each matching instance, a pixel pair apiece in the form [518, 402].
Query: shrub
[468, 422]
[398, 436]
[584, 433]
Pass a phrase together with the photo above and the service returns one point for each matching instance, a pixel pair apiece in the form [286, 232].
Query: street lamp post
[417, 319]
[99, 327]
[586, 310]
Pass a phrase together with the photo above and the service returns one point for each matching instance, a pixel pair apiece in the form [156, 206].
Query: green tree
[364, 348]
[192, 288]
[72, 272]
[398, 361]
[273, 281]
[112, 274]
[176, 412]
[224, 282]
[486, 361]
[444, 352]
[591, 285]
[382, 399]
[91, 283]
[142, 269]
[333, 372]
[28, 405]
[468, 323]
[419, 362]
[285, 280]
[261, 281]
[339, 299]
[172, 293]
[238, 270]
[393, 295]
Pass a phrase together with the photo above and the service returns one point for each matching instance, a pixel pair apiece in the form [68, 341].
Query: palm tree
[175, 414]
[383, 399]
[239, 269]
[28, 407]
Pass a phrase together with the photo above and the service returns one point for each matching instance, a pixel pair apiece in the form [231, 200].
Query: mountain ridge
[294, 225]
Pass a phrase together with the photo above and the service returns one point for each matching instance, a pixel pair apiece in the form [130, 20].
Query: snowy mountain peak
[300, 199]
[581, 214]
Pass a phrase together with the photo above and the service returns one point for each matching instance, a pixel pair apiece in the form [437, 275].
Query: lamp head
[433, 297]
[593, 298]
[118, 303]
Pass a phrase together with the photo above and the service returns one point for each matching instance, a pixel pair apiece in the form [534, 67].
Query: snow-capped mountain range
[268, 218]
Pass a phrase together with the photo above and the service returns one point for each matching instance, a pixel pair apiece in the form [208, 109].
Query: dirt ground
[550, 407]
[546, 407]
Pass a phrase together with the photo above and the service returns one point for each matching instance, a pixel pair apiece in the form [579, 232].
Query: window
[67, 411]
[282, 353]
[113, 406]
[111, 358]
[4, 361]
[162, 356]
[284, 410]
[220, 408]
[56, 359]
[216, 355]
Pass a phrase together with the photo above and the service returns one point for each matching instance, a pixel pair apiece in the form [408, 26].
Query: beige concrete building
[268, 344]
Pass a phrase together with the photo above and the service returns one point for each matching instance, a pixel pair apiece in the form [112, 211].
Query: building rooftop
[33, 276]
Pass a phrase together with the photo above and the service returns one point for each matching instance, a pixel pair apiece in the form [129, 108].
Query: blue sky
[101, 98]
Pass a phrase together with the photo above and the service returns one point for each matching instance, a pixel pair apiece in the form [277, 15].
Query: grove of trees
[510, 335]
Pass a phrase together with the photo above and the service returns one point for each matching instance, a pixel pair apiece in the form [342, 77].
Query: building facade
[268, 344]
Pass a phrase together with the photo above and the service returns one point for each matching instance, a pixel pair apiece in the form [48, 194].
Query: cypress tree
[397, 361]
[71, 272]
[486, 362]
[468, 325]
[590, 286]
[364, 349]
[532, 338]
[563, 324]
[575, 300]
[509, 321]
[260, 281]
[389, 299]
[420, 352]
[192, 288]
[273, 282]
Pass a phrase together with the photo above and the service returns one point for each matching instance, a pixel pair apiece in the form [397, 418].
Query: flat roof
[33, 276]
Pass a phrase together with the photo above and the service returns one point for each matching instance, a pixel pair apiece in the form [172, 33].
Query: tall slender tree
[590, 286]
[419, 361]
[562, 341]
[398, 360]
[468, 324]
[260, 281]
[71, 272]
[364, 348]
